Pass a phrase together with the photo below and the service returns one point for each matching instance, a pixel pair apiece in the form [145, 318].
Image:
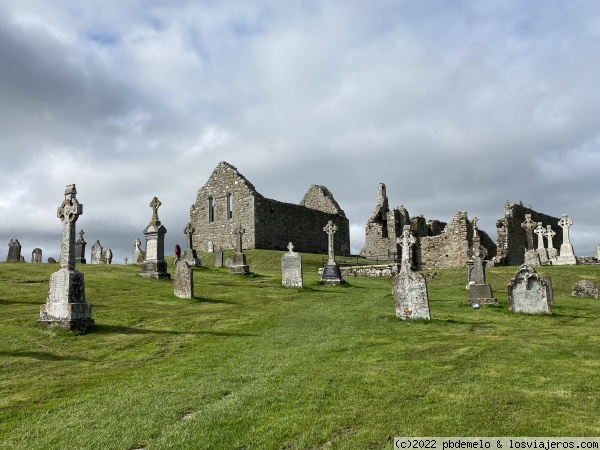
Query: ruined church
[443, 245]
[229, 200]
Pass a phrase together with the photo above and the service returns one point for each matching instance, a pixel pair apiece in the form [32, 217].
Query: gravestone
[531, 255]
[51, 260]
[14, 251]
[291, 268]
[126, 259]
[36, 256]
[238, 263]
[541, 250]
[219, 257]
[183, 280]
[65, 305]
[210, 247]
[598, 252]
[566, 255]
[331, 271]
[530, 292]
[228, 262]
[480, 292]
[190, 254]
[137, 256]
[410, 288]
[584, 288]
[107, 256]
[96, 257]
[80, 249]
[552, 253]
[154, 265]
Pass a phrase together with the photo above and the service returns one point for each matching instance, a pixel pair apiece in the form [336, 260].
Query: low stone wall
[383, 270]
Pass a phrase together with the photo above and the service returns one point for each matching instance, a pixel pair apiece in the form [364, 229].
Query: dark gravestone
[291, 268]
[36, 256]
[80, 249]
[238, 263]
[219, 257]
[183, 280]
[530, 292]
[480, 292]
[190, 254]
[51, 260]
[14, 251]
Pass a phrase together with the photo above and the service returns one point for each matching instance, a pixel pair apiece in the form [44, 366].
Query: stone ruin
[530, 292]
[437, 244]
[410, 288]
[65, 305]
[228, 200]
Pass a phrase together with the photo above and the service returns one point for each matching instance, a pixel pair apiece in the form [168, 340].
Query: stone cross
[474, 221]
[290, 247]
[155, 204]
[529, 225]
[239, 231]
[189, 230]
[539, 230]
[330, 228]
[137, 244]
[81, 233]
[408, 240]
[68, 213]
[550, 233]
[565, 223]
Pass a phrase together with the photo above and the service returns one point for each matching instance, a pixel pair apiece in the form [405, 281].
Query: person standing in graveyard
[177, 253]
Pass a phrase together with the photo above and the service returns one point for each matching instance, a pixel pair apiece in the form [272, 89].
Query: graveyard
[249, 363]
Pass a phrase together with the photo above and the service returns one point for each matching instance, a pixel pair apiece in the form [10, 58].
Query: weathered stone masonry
[228, 199]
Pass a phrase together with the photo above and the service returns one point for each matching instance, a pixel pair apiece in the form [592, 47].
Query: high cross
[550, 233]
[408, 240]
[239, 231]
[540, 231]
[330, 228]
[68, 212]
[529, 225]
[189, 230]
[565, 223]
[155, 204]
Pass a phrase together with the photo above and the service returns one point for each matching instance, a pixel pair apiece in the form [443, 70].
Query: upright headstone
[531, 255]
[210, 247]
[598, 252]
[584, 288]
[238, 263]
[137, 256]
[155, 265]
[65, 305]
[291, 268]
[541, 250]
[126, 259]
[552, 253]
[480, 292]
[51, 260]
[36, 256]
[410, 288]
[331, 271]
[80, 249]
[14, 251]
[566, 255]
[530, 292]
[96, 257]
[183, 280]
[218, 257]
[190, 254]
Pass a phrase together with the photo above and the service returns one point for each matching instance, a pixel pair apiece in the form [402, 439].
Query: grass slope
[249, 364]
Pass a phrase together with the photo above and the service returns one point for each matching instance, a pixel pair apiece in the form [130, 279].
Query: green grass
[249, 364]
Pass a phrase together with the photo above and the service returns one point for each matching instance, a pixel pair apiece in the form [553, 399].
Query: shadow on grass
[196, 299]
[3, 301]
[44, 356]
[120, 329]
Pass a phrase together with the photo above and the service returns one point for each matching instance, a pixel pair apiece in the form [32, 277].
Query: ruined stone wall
[512, 238]
[224, 180]
[278, 223]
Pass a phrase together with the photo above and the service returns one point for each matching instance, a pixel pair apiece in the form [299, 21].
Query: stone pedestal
[65, 306]
[238, 264]
[155, 266]
[331, 274]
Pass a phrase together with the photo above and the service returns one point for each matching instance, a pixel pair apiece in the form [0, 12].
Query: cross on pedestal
[565, 223]
[189, 231]
[239, 231]
[290, 247]
[474, 221]
[330, 228]
[155, 204]
[68, 212]
[408, 240]
[529, 225]
[550, 233]
[81, 233]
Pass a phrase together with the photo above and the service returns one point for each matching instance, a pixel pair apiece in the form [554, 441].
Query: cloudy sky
[454, 104]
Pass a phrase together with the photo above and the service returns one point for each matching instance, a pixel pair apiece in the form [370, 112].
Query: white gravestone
[530, 292]
[291, 268]
[566, 255]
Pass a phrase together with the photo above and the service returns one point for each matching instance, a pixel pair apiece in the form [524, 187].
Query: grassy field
[248, 364]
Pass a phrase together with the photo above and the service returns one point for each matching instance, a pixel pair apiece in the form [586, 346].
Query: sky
[453, 104]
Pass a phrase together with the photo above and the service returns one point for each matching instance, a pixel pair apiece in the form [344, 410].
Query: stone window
[211, 210]
[229, 215]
